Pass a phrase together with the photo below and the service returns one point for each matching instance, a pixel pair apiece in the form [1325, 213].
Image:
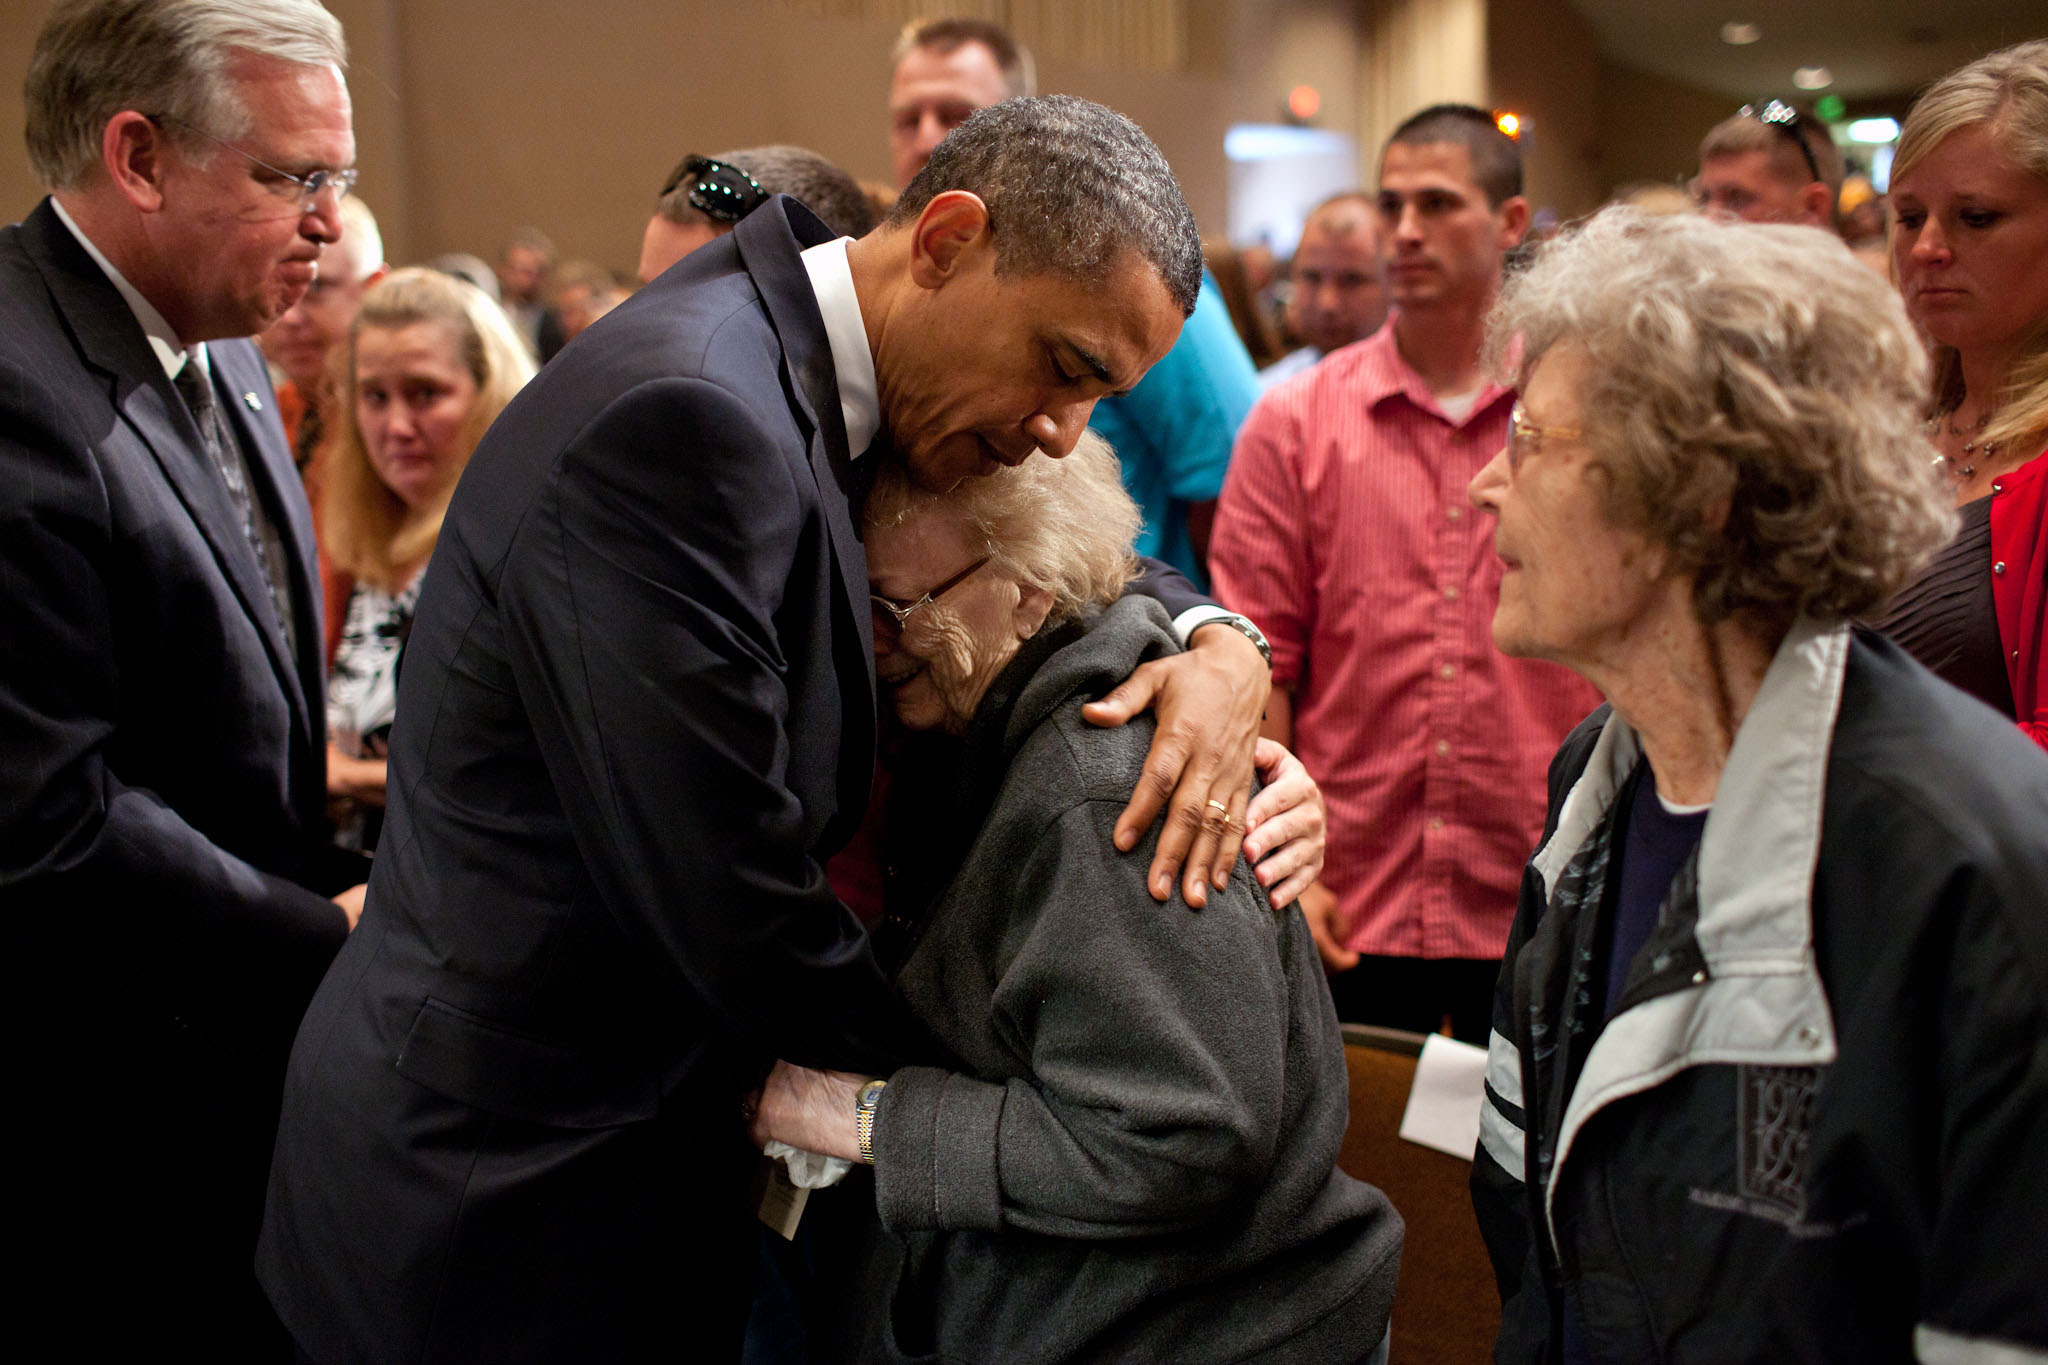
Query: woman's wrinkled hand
[809, 1109]
[1287, 829]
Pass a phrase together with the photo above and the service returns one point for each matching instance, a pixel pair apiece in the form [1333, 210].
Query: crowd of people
[492, 752]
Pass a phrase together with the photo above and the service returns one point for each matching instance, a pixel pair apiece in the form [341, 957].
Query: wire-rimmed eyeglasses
[1777, 114]
[1525, 436]
[900, 612]
[306, 189]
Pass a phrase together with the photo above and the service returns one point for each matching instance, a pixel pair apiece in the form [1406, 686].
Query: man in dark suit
[164, 859]
[638, 712]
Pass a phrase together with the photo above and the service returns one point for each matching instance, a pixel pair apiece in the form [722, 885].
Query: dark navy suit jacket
[637, 714]
[164, 850]
[637, 711]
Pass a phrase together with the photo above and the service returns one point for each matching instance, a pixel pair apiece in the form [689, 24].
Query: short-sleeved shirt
[1173, 432]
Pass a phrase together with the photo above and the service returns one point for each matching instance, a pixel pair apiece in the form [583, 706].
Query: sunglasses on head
[722, 192]
[1787, 120]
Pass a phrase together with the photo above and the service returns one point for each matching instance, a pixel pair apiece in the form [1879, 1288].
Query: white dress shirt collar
[852, 363]
[169, 352]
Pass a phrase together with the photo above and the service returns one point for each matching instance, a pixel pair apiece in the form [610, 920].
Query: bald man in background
[299, 343]
[1338, 294]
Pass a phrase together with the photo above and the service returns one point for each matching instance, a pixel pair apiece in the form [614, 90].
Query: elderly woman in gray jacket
[1132, 1153]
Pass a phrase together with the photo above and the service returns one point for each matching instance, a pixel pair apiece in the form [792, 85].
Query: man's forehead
[1114, 326]
[1425, 165]
[1755, 168]
[1350, 235]
[967, 75]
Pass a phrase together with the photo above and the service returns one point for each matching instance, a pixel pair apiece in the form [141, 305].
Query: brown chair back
[1446, 1310]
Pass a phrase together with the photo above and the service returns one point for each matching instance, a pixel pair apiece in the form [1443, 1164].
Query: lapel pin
[255, 403]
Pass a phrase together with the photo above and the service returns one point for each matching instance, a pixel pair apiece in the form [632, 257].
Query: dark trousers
[1420, 994]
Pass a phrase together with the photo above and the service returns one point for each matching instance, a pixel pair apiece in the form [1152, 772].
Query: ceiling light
[1740, 35]
[1813, 78]
[1875, 131]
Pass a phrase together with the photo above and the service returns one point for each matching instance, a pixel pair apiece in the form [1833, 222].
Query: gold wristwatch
[864, 1102]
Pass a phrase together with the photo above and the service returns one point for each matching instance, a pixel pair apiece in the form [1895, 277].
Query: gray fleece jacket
[1135, 1157]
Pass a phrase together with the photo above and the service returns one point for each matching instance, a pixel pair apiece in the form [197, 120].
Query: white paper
[1444, 1102]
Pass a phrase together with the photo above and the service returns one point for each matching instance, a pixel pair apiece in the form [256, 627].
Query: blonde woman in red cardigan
[1970, 193]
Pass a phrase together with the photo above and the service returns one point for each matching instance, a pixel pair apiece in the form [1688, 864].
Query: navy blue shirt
[1654, 846]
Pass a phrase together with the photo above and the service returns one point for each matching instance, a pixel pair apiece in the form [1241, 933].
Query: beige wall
[476, 116]
[1651, 126]
[1543, 63]
[1415, 53]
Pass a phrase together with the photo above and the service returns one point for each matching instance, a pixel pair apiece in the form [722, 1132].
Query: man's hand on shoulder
[1208, 701]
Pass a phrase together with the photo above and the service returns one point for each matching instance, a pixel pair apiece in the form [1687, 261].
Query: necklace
[1958, 470]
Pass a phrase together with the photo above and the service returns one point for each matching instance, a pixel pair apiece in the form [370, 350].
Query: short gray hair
[1064, 525]
[779, 168]
[1755, 369]
[95, 58]
[1072, 188]
[946, 36]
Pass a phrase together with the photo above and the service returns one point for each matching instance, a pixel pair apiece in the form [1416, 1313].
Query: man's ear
[133, 152]
[949, 225]
[1818, 204]
[1514, 222]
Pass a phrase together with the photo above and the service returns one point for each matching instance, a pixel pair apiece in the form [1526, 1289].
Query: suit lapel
[112, 342]
[770, 241]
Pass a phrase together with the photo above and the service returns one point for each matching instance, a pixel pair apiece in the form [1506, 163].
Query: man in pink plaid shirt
[1344, 531]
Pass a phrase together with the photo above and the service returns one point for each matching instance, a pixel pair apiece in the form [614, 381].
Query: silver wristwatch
[1243, 626]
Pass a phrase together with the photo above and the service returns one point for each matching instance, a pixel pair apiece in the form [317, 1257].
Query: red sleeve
[2019, 587]
[1260, 559]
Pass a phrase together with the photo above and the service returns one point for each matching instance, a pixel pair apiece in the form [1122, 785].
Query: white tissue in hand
[809, 1170]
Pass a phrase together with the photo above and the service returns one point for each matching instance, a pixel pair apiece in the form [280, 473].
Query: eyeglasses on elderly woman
[900, 611]
[1526, 438]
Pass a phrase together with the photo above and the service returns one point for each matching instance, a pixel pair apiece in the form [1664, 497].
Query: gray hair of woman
[2007, 92]
[1754, 401]
[1064, 525]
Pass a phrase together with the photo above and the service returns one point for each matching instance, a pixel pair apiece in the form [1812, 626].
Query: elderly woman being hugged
[1767, 1077]
[1128, 1148]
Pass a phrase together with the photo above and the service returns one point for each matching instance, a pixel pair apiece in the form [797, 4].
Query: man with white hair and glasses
[165, 866]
